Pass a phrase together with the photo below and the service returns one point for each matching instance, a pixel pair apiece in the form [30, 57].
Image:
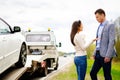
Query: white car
[12, 47]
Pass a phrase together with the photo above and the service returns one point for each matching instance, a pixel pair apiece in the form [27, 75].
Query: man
[104, 46]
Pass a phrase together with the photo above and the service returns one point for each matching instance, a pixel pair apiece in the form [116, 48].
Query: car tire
[56, 67]
[23, 57]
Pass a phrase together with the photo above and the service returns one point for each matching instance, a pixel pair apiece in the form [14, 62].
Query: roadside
[64, 68]
[69, 72]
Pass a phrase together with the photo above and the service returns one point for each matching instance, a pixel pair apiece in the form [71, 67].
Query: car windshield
[38, 38]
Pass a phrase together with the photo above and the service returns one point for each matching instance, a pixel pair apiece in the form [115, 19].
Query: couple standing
[105, 40]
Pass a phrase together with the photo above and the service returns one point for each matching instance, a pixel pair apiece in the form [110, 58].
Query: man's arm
[111, 42]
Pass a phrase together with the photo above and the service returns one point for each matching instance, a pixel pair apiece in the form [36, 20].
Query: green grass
[66, 74]
[69, 73]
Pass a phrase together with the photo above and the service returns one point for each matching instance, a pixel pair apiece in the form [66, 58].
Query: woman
[78, 40]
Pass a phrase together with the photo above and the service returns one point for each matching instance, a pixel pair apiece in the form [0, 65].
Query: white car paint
[10, 46]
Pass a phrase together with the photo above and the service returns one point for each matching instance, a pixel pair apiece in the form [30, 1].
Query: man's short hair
[100, 11]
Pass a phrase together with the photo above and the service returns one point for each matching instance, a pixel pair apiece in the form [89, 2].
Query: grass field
[69, 73]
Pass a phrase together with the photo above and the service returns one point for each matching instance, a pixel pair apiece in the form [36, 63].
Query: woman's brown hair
[74, 30]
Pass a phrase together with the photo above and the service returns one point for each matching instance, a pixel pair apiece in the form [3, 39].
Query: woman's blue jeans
[81, 65]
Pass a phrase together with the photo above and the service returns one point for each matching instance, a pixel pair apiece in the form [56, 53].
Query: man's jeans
[81, 65]
[98, 63]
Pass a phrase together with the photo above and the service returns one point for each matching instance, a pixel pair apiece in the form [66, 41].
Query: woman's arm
[82, 41]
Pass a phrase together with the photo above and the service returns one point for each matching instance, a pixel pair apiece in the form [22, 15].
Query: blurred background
[58, 15]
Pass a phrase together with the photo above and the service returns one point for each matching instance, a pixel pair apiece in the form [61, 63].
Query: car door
[1, 49]
[3, 44]
[8, 46]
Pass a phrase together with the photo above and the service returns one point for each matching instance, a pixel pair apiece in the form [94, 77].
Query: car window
[38, 38]
[4, 28]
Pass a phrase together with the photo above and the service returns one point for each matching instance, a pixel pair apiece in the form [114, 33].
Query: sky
[58, 15]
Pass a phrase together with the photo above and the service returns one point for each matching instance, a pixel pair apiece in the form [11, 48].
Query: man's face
[100, 17]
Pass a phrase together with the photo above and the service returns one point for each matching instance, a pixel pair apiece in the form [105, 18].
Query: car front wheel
[23, 57]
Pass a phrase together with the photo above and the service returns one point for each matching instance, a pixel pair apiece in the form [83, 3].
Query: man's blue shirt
[99, 32]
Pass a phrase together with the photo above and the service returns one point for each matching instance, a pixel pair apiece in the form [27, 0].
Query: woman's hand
[95, 39]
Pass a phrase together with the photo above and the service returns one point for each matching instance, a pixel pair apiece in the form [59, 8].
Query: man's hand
[106, 59]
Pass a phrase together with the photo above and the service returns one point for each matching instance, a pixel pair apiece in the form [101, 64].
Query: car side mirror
[17, 29]
[59, 45]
